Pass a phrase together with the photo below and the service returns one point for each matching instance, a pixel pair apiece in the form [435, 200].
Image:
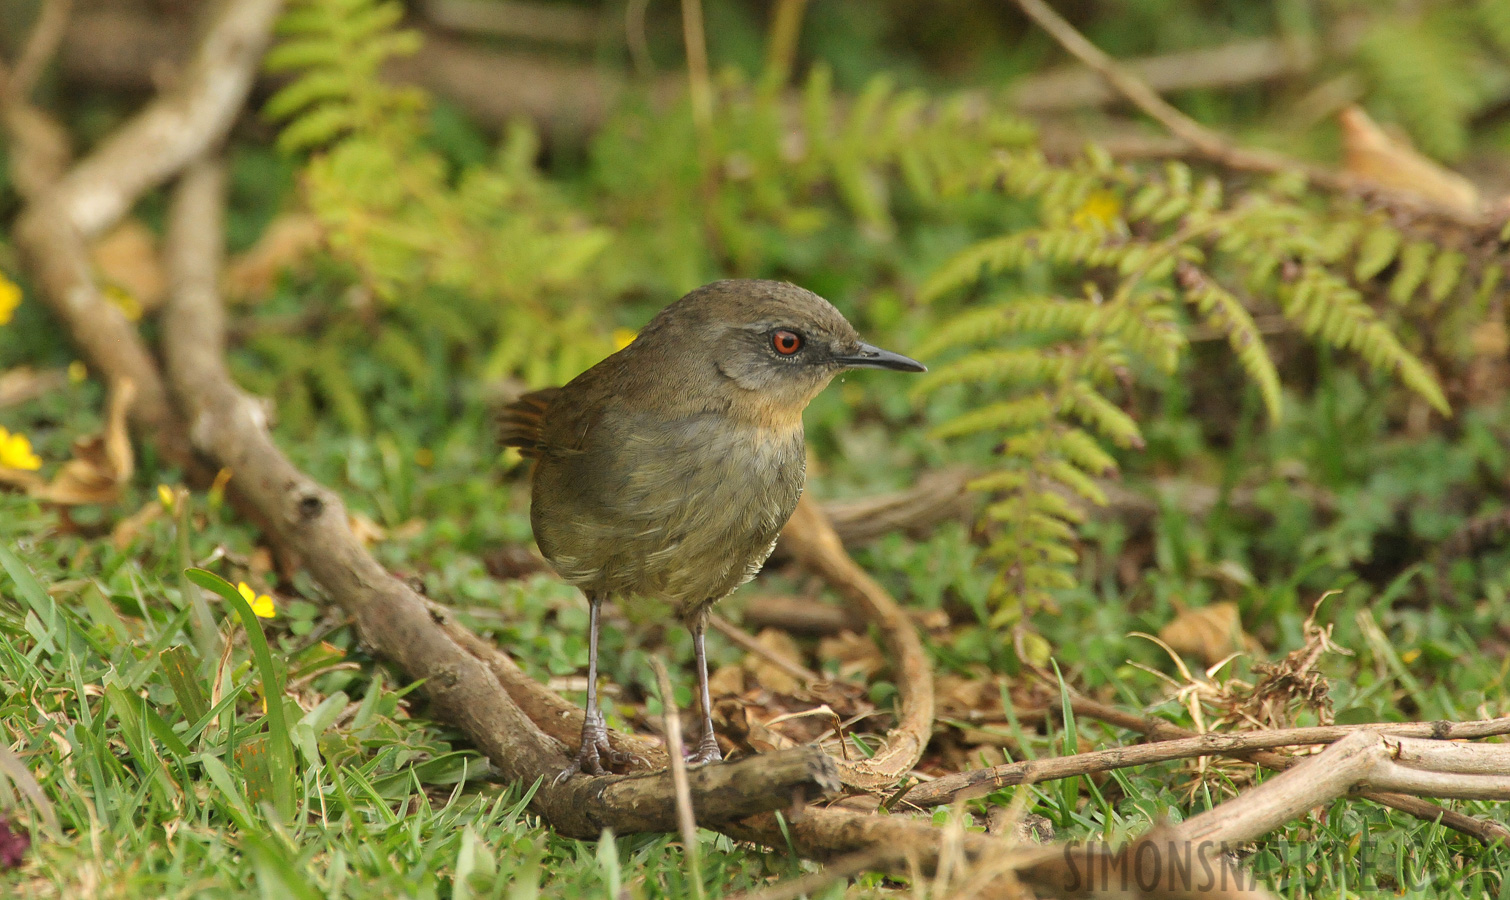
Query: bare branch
[177, 126]
[964, 785]
[1361, 759]
[40, 46]
[1229, 65]
[1483, 830]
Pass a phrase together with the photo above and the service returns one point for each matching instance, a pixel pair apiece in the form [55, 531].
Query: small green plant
[476, 257]
[1152, 255]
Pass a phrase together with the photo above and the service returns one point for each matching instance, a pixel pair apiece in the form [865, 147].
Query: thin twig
[781, 41]
[753, 645]
[699, 83]
[686, 820]
[40, 47]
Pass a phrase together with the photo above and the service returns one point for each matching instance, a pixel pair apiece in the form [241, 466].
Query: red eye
[786, 342]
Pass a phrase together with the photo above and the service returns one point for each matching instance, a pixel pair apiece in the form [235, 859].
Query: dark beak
[868, 357]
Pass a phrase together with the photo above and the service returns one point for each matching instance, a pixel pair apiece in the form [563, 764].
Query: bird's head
[773, 345]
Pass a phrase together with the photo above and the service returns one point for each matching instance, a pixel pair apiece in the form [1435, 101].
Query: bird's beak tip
[872, 357]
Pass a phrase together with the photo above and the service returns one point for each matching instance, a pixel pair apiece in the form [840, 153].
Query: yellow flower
[15, 452]
[216, 494]
[165, 496]
[125, 301]
[10, 298]
[262, 604]
[622, 337]
[77, 372]
[1410, 656]
[424, 457]
[1100, 210]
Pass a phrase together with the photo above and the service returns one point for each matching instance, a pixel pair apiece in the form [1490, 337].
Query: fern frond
[1220, 310]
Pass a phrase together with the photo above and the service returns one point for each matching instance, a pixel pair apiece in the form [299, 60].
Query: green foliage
[337, 48]
[1153, 255]
[759, 194]
[464, 256]
[1436, 66]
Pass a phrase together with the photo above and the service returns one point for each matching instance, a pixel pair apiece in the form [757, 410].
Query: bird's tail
[522, 422]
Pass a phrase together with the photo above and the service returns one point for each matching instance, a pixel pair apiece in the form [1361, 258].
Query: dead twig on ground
[748, 642]
[1483, 830]
[965, 785]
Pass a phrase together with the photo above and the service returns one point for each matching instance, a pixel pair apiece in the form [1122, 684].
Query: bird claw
[594, 749]
[707, 751]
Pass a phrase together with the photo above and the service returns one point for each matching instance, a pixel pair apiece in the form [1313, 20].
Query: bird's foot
[594, 750]
[707, 751]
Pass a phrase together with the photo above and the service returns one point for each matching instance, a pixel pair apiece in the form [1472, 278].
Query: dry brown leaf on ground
[287, 240]
[859, 657]
[766, 673]
[1487, 376]
[366, 530]
[25, 383]
[128, 529]
[1209, 633]
[127, 259]
[1372, 154]
[101, 463]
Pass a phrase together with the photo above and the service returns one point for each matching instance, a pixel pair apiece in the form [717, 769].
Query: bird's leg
[594, 744]
[707, 748]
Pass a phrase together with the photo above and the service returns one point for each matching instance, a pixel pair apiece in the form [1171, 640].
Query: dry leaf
[1209, 633]
[126, 530]
[858, 656]
[973, 697]
[1488, 373]
[766, 673]
[101, 463]
[127, 258]
[287, 240]
[1375, 156]
[366, 531]
[24, 383]
[727, 681]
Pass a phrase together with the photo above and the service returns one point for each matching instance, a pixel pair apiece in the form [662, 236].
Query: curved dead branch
[810, 538]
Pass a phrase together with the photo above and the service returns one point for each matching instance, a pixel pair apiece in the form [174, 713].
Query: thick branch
[178, 125]
[52, 231]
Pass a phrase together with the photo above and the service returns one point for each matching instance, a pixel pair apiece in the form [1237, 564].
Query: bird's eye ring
[786, 342]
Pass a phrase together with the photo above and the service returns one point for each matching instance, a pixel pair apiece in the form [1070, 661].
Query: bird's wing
[522, 423]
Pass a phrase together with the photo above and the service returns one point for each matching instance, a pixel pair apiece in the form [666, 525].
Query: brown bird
[666, 471]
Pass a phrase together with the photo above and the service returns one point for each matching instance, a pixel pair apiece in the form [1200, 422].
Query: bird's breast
[684, 510]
